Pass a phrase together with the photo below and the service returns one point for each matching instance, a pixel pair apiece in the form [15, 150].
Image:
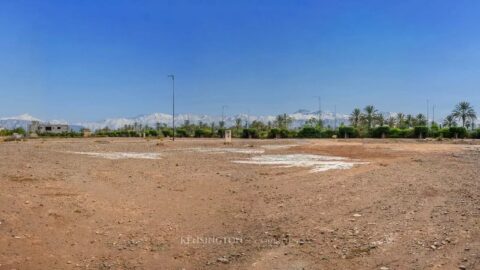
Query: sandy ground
[415, 205]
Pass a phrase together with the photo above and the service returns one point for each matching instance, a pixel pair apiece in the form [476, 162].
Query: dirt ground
[415, 205]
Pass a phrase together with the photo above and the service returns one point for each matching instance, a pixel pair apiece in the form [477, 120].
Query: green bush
[263, 134]
[420, 131]
[444, 133]
[167, 132]
[378, 132]
[351, 132]
[327, 133]
[250, 133]
[151, 133]
[278, 133]
[396, 133]
[459, 132]
[476, 134]
[181, 132]
[203, 133]
[309, 132]
[221, 132]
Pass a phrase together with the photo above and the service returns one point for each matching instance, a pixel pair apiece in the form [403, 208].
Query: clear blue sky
[89, 60]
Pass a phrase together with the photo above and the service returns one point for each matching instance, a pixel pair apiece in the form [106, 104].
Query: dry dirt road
[188, 205]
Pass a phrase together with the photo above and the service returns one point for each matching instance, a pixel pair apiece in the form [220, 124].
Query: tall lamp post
[319, 109]
[223, 115]
[173, 102]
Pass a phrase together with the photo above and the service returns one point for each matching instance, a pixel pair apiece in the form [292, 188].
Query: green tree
[370, 114]
[283, 121]
[401, 123]
[355, 117]
[420, 120]
[409, 120]
[449, 121]
[391, 121]
[464, 112]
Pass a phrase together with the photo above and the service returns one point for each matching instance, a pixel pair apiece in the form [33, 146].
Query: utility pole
[428, 109]
[223, 115]
[433, 114]
[335, 116]
[319, 109]
[173, 103]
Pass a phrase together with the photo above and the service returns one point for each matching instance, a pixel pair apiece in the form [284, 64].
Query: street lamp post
[223, 115]
[173, 103]
[319, 109]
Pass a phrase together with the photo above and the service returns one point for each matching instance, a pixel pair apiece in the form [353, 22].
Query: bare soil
[415, 205]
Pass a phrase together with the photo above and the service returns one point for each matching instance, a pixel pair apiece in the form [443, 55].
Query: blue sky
[89, 60]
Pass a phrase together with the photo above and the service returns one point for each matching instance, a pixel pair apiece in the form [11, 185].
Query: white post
[228, 136]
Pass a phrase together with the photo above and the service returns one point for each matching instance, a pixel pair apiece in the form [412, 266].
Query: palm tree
[355, 117]
[420, 120]
[380, 119]
[464, 111]
[370, 115]
[283, 121]
[409, 120]
[391, 121]
[449, 121]
[238, 123]
[400, 120]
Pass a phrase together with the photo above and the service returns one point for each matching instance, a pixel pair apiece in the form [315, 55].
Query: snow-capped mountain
[299, 118]
[151, 120]
[24, 121]
[18, 121]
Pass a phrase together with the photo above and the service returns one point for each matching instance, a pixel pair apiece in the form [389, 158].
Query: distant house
[42, 128]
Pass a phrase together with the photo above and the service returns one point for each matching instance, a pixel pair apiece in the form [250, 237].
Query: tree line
[363, 123]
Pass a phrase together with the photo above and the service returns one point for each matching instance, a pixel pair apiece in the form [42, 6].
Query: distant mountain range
[299, 117]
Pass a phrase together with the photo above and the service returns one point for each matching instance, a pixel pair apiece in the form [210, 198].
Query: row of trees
[370, 117]
[365, 123]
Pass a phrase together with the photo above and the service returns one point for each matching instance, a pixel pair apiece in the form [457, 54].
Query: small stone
[462, 267]
[433, 247]
[384, 268]
[223, 260]
[357, 215]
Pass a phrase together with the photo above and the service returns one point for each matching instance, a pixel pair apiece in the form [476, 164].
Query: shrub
[202, 133]
[181, 132]
[476, 134]
[250, 133]
[221, 132]
[327, 133]
[444, 133]
[151, 133]
[167, 132]
[263, 134]
[420, 131]
[379, 132]
[396, 133]
[458, 132]
[309, 132]
[278, 133]
[350, 132]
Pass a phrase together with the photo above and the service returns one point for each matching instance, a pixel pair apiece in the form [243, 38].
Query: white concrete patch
[278, 146]
[120, 155]
[220, 150]
[317, 163]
